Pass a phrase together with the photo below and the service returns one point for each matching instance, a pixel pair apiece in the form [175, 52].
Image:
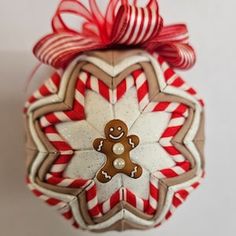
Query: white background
[211, 209]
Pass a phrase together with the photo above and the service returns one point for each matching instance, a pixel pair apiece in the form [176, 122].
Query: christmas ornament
[114, 137]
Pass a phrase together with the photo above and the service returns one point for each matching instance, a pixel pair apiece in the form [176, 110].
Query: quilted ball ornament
[114, 137]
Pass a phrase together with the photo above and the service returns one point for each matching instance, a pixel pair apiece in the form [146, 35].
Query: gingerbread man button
[117, 147]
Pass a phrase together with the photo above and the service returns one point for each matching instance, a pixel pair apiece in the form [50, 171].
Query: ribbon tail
[172, 43]
[178, 55]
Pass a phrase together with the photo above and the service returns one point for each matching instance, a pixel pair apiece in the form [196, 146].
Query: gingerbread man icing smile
[117, 147]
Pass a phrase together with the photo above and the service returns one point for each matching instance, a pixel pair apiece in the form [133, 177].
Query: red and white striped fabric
[149, 206]
[179, 114]
[62, 207]
[65, 154]
[92, 201]
[87, 81]
[115, 198]
[76, 113]
[175, 171]
[67, 213]
[142, 88]
[50, 87]
[175, 80]
[57, 204]
[179, 198]
[123, 87]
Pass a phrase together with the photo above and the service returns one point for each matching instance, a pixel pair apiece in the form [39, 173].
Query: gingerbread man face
[117, 147]
[116, 130]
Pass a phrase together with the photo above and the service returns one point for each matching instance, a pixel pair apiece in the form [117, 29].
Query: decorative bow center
[122, 25]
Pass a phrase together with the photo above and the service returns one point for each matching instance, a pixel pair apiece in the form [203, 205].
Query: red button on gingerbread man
[117, 147]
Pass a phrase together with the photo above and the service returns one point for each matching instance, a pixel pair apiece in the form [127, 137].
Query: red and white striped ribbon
[136, 25]
[122, 25]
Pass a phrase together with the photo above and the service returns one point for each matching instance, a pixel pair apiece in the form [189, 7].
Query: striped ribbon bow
[121, 26]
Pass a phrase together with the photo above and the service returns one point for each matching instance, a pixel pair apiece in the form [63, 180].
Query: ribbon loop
[121, 25]
[135, 25]
[178, 55]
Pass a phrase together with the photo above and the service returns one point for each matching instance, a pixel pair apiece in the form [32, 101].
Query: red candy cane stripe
[170, 107]
[50, 201]
[154, 196]
[62, 207]
[142, 88]
[77, 113]
[67, 213]
[107, 205]
[92, 202]
[61, 163]
[174, 126]
[174, 80]
[55, 176]
[179, 113]
[174, 171]
[50, 87]
[56, 140]
[122, 88]
[135, 201]
[66, 182]
[87, 81]
[179, 198]
[98, 86]
[148, 206]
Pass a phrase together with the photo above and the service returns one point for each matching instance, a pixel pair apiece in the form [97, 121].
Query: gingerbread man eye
[111, 129]
[119, 128]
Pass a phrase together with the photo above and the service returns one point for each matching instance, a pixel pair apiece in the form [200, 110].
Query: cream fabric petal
[144, 126]
[152, 157]
[127, 108]
[84, 164]
[78, 134]
[105, 191]
[98, 111]
[132, 184]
